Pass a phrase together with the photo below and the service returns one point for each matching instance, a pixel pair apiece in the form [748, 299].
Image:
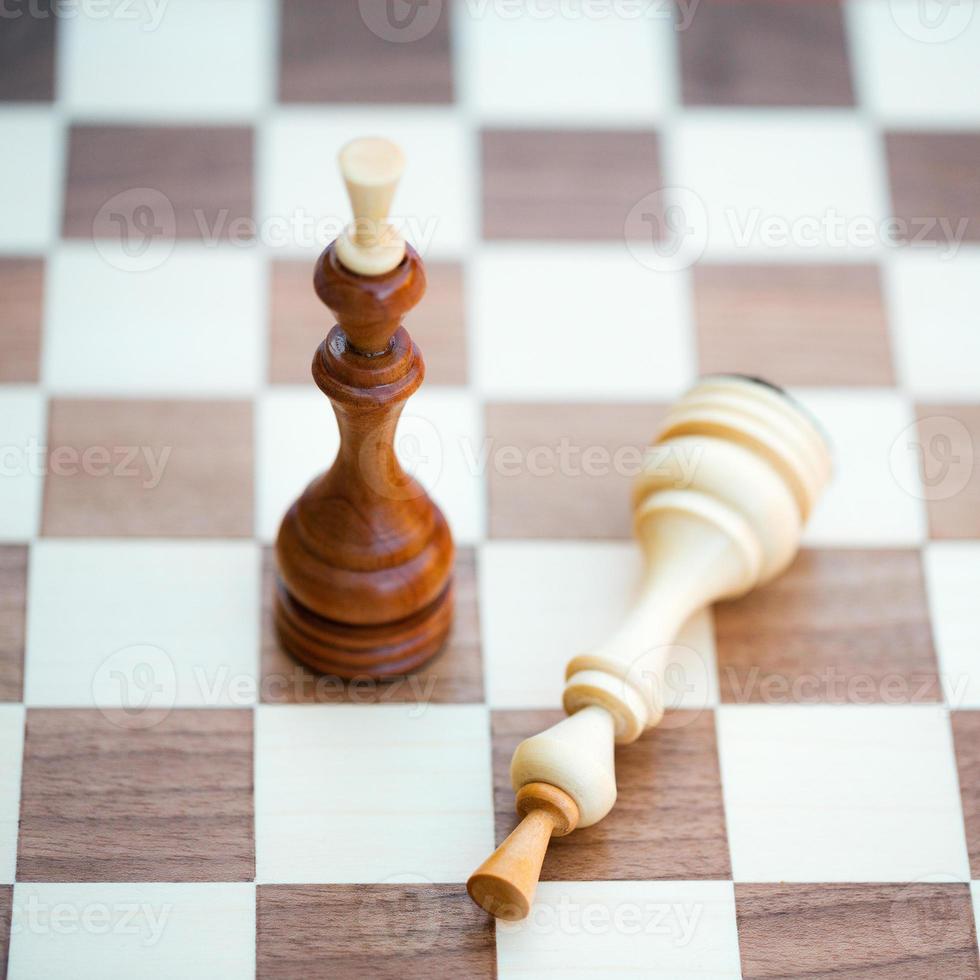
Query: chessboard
[612, 197]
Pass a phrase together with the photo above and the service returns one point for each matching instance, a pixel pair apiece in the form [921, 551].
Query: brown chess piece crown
[364, 556]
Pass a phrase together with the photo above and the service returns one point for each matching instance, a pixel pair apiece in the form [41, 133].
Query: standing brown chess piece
[365, 557]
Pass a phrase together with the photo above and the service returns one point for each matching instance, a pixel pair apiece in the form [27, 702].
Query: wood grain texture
[840, 626]
[204, 172]
[298, 323]
[27, 51]
[966, 735]
[21, 305]
[935, 176]
[365, 557]
[438, 324]
[104, 801]
[505, 884]
[949, 465]
[565, 184]
[765, 53]
[327, 50]
[668, 822]
[6, 909]
[371, 932]
[455, 676]
[799, 324]
[202, 448]
[13, 605]
[867, 931]
[574, 467]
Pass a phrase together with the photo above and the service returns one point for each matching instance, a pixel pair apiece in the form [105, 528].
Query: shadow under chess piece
[364, 557]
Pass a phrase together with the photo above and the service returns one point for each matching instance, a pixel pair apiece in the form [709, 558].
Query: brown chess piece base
[385, 651]
[365, 558]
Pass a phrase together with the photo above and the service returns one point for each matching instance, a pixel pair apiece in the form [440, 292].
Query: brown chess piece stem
[364, 556]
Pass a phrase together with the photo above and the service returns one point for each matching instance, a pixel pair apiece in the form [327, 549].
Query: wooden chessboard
[608, 204]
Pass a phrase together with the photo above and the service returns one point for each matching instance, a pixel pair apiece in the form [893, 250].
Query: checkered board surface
[177, 797]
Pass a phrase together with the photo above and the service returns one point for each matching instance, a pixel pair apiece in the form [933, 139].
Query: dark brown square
[796, 324]
[949, 466]
[935, 184]
[668, 822]
[765, 53]
[156, 469]
[162, 181]
[299, 322]
[966, 735]
[107, 796]
[838, 626]
[27, 52]
[566, 184]
[371, 932]
[369, 51]
[455, 676]
[21, 305]
[13, 605]
[875, 932]
[565, 470]
[6, 910]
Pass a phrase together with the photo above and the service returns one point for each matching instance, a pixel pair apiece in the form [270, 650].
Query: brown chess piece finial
[365, 558]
